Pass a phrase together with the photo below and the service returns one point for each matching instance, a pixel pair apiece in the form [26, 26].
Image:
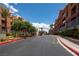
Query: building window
[77, 20]
[3, 21]
[62, 27]
[3, 28]
[68, 24]
[11, 23]
[67, 12]
[73, 22]
[73, 10]
[78, 7]
[64, 15]
[63, 19]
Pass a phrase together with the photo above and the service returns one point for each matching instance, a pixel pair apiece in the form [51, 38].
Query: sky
[38, 14]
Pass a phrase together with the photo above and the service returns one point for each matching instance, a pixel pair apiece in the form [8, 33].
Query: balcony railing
[73, 23]
[77, 23]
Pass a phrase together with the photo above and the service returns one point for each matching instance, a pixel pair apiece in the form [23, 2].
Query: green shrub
[2, 40]
[8, 34]
[71, 33]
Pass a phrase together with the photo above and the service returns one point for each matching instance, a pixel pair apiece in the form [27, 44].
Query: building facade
[68, 18]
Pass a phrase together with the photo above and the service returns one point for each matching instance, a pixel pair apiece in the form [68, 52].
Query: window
[73, 18]
[3, 27]
[68, 24]
[77, 20]
[73, 22]
[74, 10]
[11, 23]
[63, 19]
[64, 15]
[78, 7]
[3, 21]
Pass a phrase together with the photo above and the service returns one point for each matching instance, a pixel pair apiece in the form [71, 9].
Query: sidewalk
[71, 46]
[76, 41]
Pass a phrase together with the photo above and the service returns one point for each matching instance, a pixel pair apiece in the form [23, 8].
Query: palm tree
[51, 25]
[5, 14]
[41, 29]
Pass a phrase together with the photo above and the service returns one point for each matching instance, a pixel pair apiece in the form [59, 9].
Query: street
[46, 45]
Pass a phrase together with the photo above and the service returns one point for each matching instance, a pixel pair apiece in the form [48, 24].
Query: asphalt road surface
[34, 46]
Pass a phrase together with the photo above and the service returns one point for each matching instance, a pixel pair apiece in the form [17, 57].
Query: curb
[9, 41]
[70, 48]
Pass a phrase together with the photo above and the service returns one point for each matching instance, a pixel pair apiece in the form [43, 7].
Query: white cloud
[42, 25]
[12, 9]
[6, 4]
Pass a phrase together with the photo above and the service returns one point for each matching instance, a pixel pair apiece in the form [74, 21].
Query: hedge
[71, 33]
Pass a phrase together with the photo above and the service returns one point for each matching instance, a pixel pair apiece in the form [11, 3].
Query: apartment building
[68, 18]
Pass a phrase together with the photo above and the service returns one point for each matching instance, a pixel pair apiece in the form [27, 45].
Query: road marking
[66, 48]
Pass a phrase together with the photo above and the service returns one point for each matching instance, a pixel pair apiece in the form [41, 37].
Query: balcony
[68, 25]
[73, 10]
[3, 29]
[3, 23]
[62, 27]
[71, 24]
[2, 18]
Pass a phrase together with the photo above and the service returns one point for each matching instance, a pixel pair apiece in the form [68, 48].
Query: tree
[16, 25]
[51, 25]
[5, 14]
[33, 30]
[51, 29]
[21, 25]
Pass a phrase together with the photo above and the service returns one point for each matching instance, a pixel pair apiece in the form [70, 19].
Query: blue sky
[45, 13]
[37, 13]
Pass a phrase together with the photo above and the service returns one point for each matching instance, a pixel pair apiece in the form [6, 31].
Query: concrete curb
[73, 50]
[9, 41]
[70, 48]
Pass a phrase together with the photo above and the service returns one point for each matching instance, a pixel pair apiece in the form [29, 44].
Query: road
[35, 46]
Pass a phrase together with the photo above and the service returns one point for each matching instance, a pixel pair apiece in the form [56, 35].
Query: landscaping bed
[8, 39]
